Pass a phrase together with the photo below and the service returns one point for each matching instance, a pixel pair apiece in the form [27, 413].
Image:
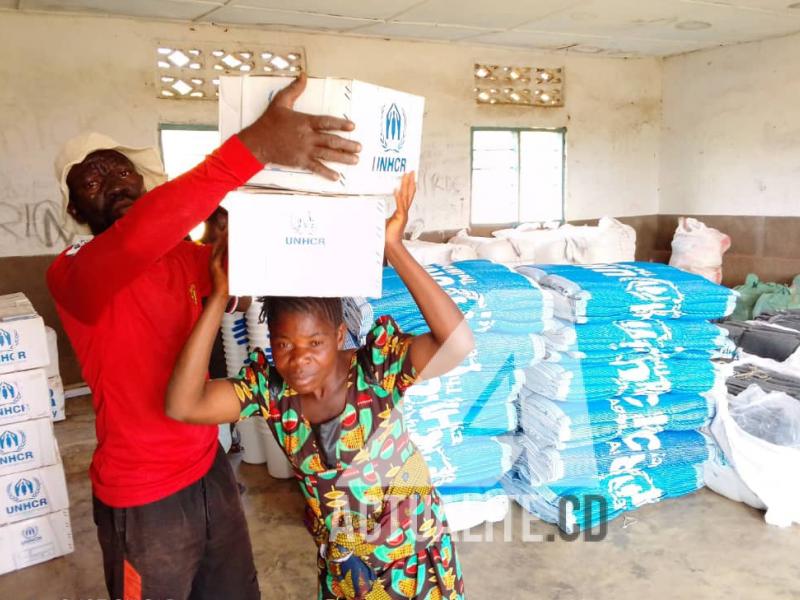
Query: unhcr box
[57, 400]
[35, 541]
[300, 245]
[27, 445]
[24, 395]
[23, 342]
[388, 126]
[32, 493]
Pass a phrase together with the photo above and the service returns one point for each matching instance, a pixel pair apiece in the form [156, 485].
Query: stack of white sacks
[544, 243]
[611, 417]
[34, 515]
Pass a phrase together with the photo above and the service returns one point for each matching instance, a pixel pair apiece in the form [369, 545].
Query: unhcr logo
[393, 131]
[25, 495]
[8, 340]
[31, 535]
[12, 441]
[305, 231]
[393, 138]
[10, 397]
[12, 449]
[24, 489]
[8, 393]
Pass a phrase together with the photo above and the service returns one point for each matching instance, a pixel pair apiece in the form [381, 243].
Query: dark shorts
[192, 545]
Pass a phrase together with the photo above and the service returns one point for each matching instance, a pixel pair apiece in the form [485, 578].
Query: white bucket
[278, 465]
[254, 448]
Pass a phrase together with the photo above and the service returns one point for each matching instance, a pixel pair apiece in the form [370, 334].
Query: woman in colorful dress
[378, 523]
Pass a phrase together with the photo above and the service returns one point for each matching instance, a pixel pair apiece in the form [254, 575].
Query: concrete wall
[62, 75]
[724, 143]
[731, 131]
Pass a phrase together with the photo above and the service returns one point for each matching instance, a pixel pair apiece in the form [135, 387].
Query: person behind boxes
[166, 505]
[378, 523]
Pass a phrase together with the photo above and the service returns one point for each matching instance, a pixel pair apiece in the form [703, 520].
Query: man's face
[102, 189]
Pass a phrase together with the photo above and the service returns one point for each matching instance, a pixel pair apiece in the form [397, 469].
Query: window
[183, 147]
[517, 176]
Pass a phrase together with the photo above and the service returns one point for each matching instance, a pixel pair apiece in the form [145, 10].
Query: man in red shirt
[166, 504]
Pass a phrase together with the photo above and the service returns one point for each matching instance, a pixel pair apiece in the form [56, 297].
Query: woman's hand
[397, 223]
[450, 339]
[219, 267]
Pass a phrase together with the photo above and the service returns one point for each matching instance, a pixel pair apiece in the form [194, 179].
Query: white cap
[146, 160]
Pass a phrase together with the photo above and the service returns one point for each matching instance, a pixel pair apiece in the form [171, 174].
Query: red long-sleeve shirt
[128, 300]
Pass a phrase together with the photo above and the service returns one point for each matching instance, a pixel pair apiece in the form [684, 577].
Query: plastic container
[254, 448]
[278, 465]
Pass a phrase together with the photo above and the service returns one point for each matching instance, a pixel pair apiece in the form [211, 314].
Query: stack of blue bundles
[564, 425]
[583, 507]
[464, 421]
[492, 297]
[580, 465]
[606, 340]
[632, 290]
[629, 377]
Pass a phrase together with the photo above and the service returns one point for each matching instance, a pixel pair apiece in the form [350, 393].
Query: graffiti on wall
[32, 227]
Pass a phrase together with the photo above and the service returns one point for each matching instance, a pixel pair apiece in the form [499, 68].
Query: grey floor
[701, 546]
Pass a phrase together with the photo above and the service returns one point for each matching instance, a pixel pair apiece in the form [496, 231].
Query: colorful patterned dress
[377, 503]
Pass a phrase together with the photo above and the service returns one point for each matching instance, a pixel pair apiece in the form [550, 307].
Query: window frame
[517, 131]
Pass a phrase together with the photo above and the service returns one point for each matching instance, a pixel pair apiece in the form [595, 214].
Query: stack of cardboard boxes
[294, 233]
[34, 515]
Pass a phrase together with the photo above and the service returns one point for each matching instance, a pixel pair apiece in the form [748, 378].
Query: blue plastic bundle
[631, 290]
[492, 297]
[582, 465]
[479, 396]
[607, 340]
[576, 380]
[606, 498]
[501, 352]
[569, 424]
[466, 404]
[468, 461]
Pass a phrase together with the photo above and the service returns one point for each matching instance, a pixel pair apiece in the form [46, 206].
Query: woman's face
[305, 349]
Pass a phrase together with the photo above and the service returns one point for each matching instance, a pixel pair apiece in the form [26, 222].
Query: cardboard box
[32, 493]
[388, 126]
[57, 401]
[27, 445]
[24, 395]
[298, 245]
[35, 541]
[23, 342]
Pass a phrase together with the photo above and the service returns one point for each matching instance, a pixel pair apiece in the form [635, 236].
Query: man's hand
[396, 224]
[219, 267]
[286, 137]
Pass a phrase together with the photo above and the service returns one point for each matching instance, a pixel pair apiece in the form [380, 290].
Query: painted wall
[62, 75]
[731, 138]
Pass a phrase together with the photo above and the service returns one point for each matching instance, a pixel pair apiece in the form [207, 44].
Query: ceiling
[604, 27]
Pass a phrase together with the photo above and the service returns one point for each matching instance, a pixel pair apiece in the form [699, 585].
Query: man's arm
[153, 226]
[159, 220]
